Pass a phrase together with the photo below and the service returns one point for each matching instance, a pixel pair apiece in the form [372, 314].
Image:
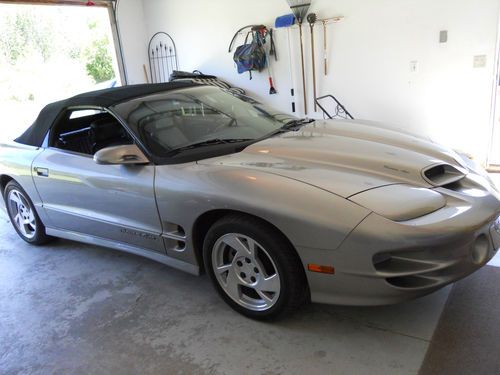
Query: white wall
[370, 54]
[133, 33]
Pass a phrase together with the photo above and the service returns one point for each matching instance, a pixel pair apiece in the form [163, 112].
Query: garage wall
[370, 55]
[133, 33]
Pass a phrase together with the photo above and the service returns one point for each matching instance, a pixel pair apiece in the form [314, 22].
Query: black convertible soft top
[36, 133]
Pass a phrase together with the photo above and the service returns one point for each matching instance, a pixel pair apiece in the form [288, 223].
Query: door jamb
[494, 127]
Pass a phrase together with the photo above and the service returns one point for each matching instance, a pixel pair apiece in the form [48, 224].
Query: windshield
[201, 116]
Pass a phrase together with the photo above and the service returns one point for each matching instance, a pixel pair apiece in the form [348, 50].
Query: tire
[19, 206]
[254, 268]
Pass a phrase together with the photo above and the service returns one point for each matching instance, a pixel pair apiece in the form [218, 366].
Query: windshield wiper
[210, 142]
[296, 124]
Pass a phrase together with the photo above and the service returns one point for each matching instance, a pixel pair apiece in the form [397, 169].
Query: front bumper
[384, 262]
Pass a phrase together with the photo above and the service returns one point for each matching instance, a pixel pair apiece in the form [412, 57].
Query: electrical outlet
[480, 61]
[414, 66]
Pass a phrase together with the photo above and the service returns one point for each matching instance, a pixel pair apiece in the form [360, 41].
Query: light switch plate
[414, 66]
[480, 61]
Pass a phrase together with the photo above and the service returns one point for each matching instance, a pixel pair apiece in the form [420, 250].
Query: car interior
[88, 131]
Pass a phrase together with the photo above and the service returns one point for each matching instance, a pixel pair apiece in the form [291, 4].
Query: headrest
[106, 128]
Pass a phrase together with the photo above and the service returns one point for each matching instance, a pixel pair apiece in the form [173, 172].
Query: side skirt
[169, 261]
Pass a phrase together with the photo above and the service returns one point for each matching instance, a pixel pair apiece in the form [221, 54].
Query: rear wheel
[254, 268]
[23, 215]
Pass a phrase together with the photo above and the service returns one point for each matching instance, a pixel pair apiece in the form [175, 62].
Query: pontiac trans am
[277, 210]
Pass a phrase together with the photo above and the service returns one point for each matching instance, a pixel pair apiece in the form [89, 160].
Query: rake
[299, 9]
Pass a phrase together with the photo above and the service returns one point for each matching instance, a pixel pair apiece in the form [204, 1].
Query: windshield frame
[124, 109]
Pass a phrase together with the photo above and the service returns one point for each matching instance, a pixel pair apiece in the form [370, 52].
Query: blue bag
[250, 56]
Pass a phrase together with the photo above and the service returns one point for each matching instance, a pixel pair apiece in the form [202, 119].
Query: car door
[114, 202]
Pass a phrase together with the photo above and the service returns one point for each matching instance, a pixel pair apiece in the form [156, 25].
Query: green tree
[25, 33]
[99, 61]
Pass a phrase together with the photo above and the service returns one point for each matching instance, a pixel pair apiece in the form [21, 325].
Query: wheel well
[4, 180]
[206, 220]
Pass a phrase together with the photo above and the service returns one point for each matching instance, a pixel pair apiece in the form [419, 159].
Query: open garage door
[53, 49]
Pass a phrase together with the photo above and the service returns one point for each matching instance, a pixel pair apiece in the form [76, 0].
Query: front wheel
[254, 268]
[23, 215]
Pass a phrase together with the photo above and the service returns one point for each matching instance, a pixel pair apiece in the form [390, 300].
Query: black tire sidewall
[40, 236]
[278, 249]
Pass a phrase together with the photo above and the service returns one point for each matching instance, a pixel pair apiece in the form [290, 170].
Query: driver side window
[87, 131]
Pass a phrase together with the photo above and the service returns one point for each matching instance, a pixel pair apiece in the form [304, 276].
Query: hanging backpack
[250, 56]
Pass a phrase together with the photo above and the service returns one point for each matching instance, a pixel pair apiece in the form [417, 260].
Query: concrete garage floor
[73, 308]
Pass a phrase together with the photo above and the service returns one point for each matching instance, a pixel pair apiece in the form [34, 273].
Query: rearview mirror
[124, 154]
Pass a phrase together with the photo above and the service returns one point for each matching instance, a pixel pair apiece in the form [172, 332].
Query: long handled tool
[325, 48]
[311, 18]
[299, 9]
[272, 52]
[288, 21]
[292, 83]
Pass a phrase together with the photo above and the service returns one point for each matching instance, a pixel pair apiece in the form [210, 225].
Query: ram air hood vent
[443, 174]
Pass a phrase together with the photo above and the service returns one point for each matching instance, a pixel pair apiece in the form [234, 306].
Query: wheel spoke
[268, 300]
[14, 197]
[32, 220]
[232, 285]
[224, 268]
[252, 247]
[269, 284]
[20, 224]
[236, 244]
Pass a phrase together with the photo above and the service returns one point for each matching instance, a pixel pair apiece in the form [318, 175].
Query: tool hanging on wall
[311, 18]
[251, 56]
[288, 21]
[272, 48]
[299, 9]
[272, 52]
[254, 56]
[272, 90]
[243, 30]
[325, 48]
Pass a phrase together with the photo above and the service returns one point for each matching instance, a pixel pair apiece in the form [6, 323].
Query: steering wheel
[232, 122]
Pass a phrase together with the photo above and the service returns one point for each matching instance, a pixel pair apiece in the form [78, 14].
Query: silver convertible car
[278, 211]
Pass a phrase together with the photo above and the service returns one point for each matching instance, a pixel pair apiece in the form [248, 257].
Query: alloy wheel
[246, 271]
[22, 214]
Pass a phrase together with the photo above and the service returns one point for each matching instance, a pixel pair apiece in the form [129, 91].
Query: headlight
[400, 202]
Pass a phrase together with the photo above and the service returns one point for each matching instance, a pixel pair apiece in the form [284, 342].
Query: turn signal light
[321, 269]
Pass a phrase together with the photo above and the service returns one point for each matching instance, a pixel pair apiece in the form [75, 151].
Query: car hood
[344, 157]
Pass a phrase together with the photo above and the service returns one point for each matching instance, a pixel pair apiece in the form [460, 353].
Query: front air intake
[443, 174]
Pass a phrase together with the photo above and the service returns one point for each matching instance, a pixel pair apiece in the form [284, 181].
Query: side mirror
[124, 154]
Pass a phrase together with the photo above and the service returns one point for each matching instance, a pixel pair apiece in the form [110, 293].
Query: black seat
[78, 141]
[108, 132]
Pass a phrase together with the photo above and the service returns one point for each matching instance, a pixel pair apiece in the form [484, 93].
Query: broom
[299, 8]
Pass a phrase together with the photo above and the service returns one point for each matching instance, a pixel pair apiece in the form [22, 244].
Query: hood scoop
[443, 174]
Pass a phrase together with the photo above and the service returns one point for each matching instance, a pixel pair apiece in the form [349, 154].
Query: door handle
[42, 172]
